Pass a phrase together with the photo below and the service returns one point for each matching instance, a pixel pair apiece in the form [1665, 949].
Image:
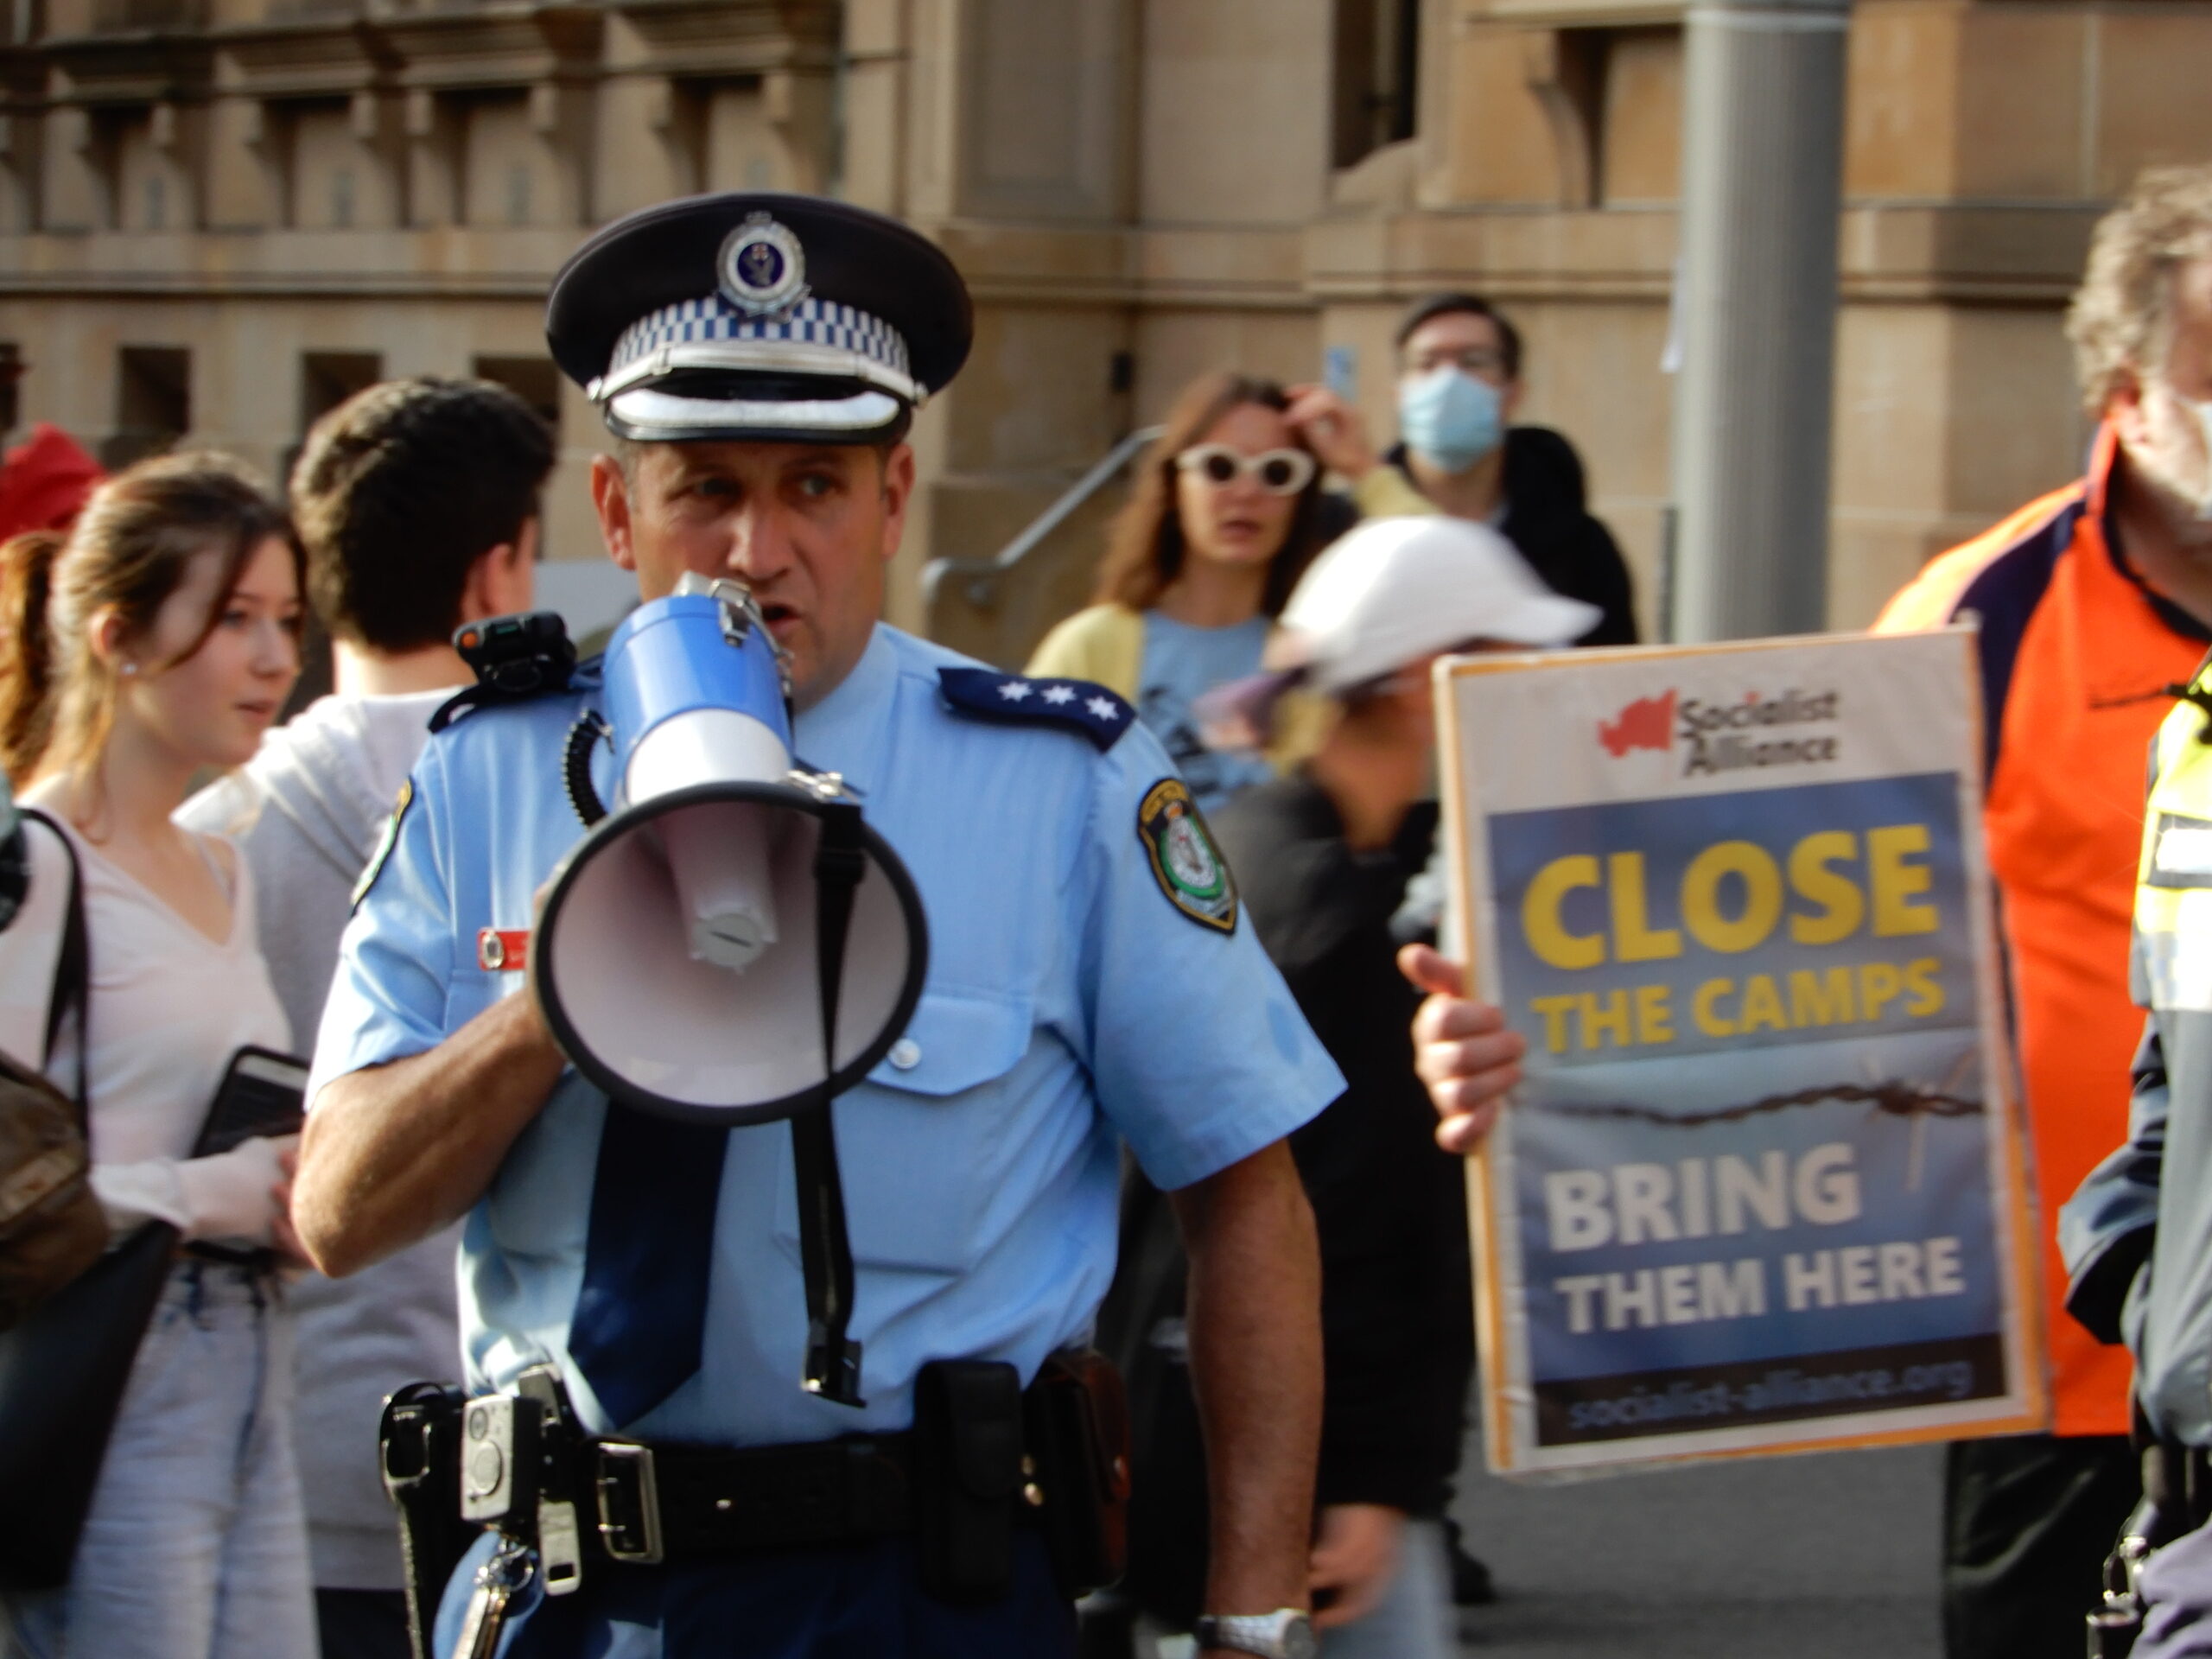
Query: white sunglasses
[1279, 472]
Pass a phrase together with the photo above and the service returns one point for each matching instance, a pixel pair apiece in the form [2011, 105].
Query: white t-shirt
[169, 1008]
[308, 811]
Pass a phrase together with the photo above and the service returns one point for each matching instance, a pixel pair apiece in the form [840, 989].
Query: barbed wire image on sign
[1897, 1099]
[1915, 1103]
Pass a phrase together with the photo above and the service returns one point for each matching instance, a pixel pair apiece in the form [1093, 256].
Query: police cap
[758, 315]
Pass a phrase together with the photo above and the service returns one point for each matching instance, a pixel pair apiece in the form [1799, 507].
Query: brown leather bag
[52, 1228]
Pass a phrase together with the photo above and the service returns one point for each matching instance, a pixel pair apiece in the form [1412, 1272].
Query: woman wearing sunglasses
[1226, 514]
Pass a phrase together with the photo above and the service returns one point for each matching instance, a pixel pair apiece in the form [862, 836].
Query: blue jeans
[196, 1545]
[860, 1601]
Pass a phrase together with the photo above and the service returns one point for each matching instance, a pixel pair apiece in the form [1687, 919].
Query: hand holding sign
[1462, 1050]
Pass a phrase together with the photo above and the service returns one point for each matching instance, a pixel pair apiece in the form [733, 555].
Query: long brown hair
[1146, 547]
[128, 552]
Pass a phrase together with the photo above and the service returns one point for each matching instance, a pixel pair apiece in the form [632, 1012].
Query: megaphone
[731, 943]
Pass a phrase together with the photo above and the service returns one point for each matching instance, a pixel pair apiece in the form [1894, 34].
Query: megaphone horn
[677, 950]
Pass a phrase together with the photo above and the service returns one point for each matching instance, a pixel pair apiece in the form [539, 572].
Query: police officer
[758, 358]
[2137, 1235]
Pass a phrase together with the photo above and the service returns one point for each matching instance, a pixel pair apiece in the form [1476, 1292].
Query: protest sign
[1763, 1187]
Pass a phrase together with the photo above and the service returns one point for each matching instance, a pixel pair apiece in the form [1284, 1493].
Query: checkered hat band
[811, 321]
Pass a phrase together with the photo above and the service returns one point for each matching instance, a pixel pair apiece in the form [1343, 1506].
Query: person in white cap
[1394, 593]
[1324, 857]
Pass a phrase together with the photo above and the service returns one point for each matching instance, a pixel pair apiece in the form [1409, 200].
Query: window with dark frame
[11, 377]
[533, 380]
[1377, 66]
[327, 379]
[153, 403]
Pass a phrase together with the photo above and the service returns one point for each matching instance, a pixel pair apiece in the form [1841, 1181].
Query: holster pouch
[419, 1451]
[1079, 1434]
[968, 1477]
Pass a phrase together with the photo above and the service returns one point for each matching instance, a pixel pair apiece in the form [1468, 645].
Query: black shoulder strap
[833, 1361]
[72, 969]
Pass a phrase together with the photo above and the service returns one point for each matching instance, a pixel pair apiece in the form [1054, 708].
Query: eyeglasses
[1279, 472]
[1478, 360]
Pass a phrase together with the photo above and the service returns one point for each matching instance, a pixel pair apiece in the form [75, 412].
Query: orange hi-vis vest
[2078, 657]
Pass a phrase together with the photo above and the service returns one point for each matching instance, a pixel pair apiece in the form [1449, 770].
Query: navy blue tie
[641, 1315]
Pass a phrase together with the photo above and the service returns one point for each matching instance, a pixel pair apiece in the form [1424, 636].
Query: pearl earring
[130, 668]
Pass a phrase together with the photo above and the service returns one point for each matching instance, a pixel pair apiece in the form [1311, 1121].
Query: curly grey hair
[2119, 320]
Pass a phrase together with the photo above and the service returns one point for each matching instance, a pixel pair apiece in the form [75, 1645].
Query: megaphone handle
[833, 1362]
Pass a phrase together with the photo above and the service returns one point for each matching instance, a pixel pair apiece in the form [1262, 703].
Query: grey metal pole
[1762, 186]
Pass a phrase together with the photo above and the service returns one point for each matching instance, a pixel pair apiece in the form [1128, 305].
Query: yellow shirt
[1386, 493]
[1105, 644]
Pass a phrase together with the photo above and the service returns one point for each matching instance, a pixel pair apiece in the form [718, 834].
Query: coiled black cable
[575, 768]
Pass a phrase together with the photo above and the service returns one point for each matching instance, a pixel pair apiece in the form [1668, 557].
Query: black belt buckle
[628, 1500]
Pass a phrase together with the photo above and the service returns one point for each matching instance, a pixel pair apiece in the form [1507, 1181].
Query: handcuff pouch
[968, 1477]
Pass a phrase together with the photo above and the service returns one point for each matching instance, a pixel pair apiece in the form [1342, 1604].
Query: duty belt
[657, 1502]
[986, 1458]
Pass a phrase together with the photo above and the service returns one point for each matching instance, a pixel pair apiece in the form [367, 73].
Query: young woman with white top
[157, 641]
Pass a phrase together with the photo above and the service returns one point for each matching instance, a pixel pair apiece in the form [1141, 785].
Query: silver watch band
[1286, 1633]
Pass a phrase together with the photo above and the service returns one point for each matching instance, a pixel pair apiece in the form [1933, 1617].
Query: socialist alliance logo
[1647, 723]
[1727, 736]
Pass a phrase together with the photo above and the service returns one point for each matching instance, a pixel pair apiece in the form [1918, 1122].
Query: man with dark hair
[1458, 454]
[416, 499]
[1506, 338]
[418, 503]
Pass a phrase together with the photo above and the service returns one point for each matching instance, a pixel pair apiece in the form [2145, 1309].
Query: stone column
[1001, 128]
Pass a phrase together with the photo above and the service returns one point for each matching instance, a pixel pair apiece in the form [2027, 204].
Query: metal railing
[982, 573]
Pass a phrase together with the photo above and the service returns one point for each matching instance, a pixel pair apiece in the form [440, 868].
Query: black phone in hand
[262, 1093]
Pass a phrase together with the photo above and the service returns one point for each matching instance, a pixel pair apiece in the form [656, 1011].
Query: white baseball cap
[1391, 591]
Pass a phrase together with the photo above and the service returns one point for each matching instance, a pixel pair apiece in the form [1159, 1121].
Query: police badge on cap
[763, 268]
[757, 316]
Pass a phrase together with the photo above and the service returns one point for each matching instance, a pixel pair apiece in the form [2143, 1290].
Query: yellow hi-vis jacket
[2136, 1235]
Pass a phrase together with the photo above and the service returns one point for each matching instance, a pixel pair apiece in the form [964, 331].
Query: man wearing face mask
[2093, 603]
[1459, 454]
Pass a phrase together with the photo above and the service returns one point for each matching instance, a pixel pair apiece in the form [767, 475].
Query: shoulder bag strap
[72, 972]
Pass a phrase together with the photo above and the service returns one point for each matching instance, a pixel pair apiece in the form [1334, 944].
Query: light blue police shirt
[1069, 1003]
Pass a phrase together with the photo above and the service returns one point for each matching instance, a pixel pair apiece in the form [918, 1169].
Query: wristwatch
[1284, 1634]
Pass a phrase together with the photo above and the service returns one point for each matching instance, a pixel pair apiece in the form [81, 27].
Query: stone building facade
[217, 217]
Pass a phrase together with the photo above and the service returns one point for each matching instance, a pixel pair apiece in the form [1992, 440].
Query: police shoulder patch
[386, 843]
[1185, 861]
[1017, 700]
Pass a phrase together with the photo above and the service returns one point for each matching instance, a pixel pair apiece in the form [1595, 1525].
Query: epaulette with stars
[1017, 700]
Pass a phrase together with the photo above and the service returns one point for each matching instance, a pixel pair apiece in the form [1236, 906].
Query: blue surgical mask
[1449, 418]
